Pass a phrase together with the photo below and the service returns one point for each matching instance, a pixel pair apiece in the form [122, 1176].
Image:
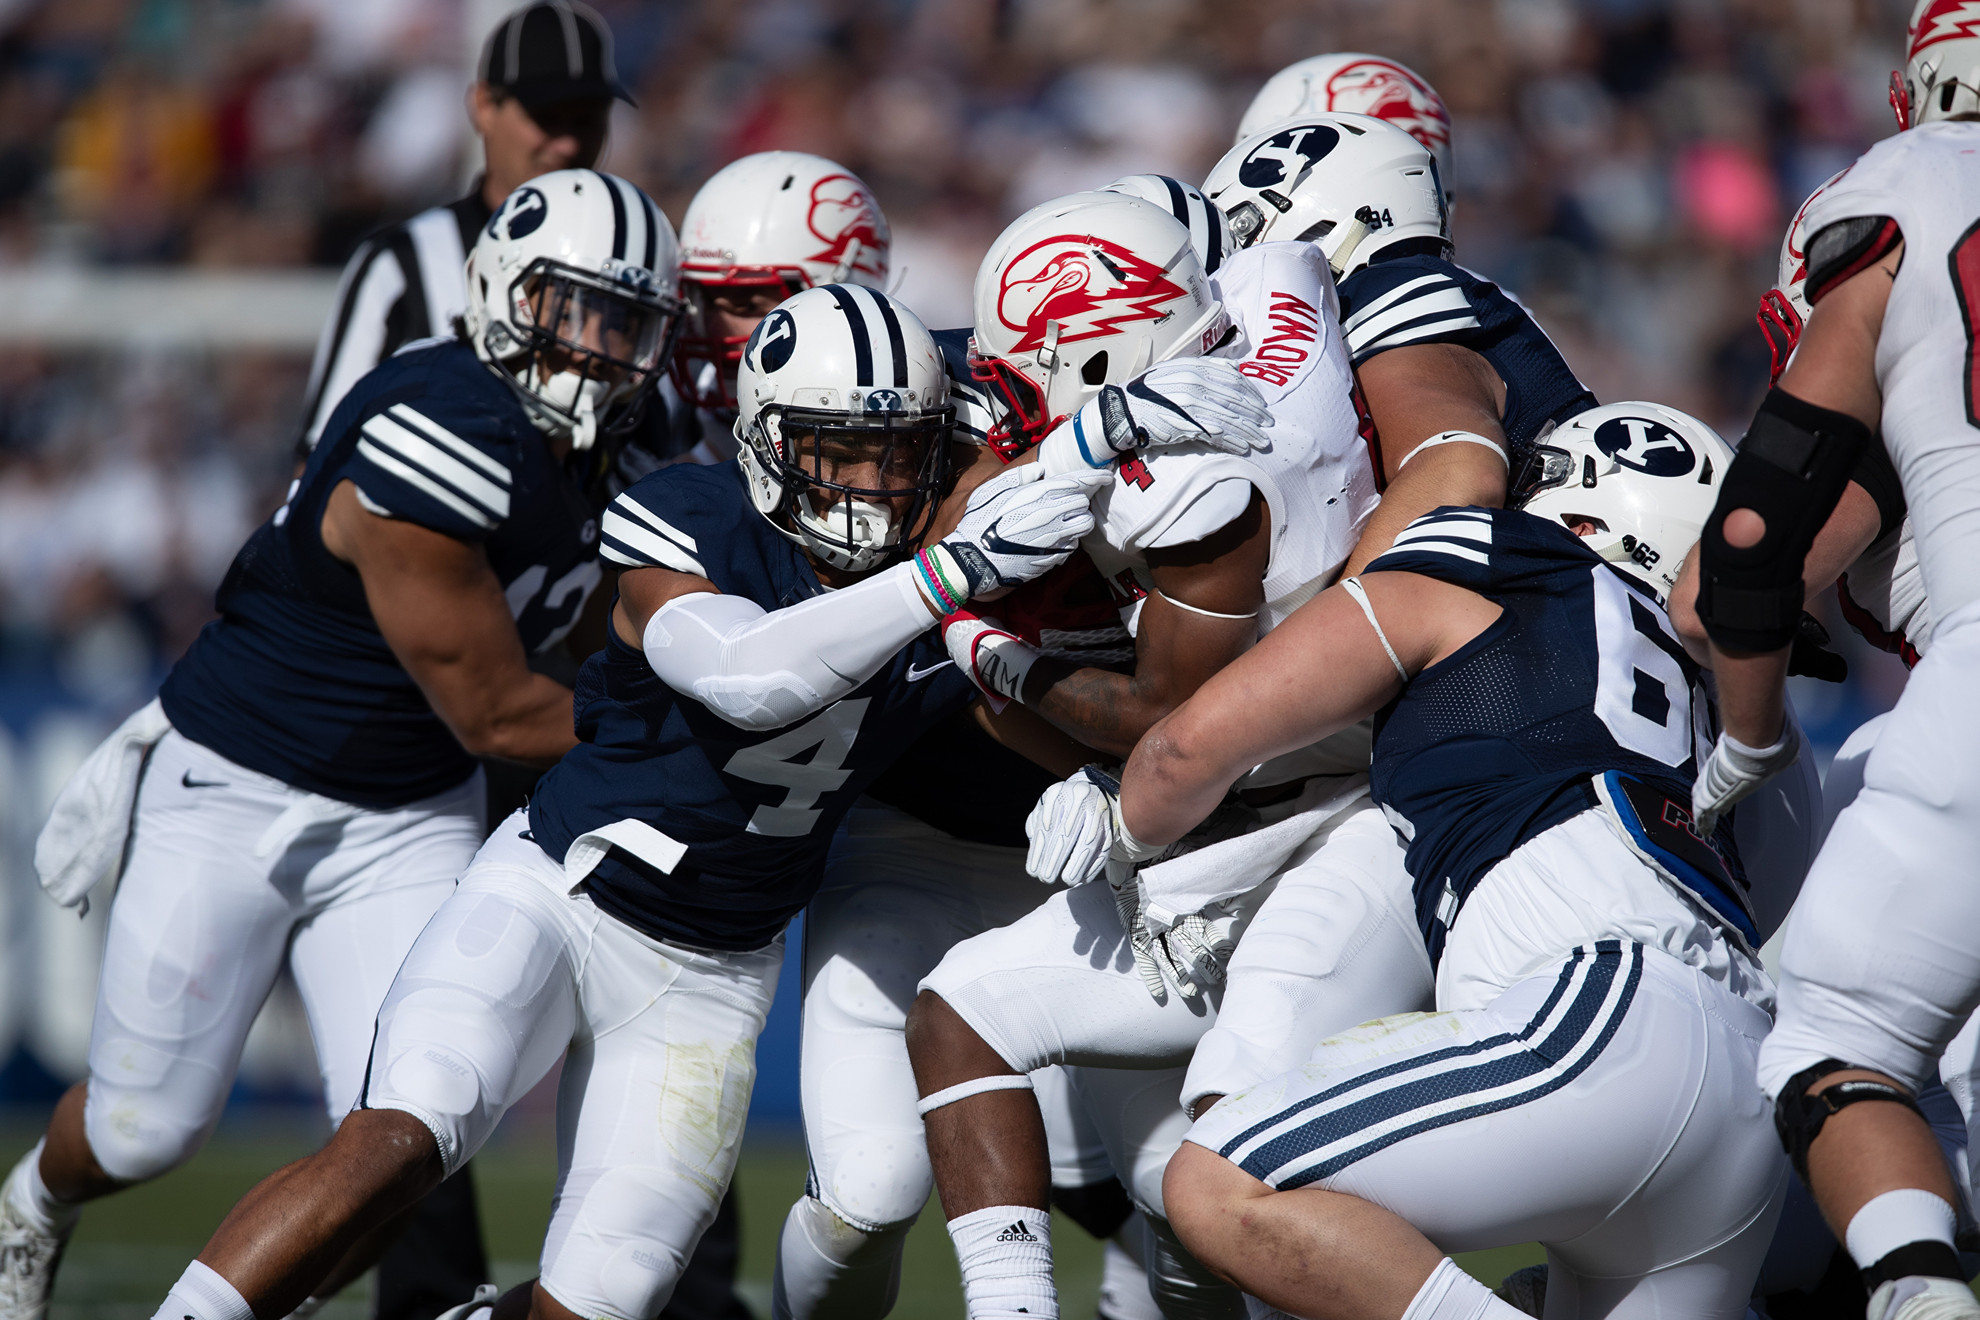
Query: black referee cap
[552, 51]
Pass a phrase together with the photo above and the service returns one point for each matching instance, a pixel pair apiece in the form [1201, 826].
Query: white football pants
[1604, 1108]
[1879, 967]
[231, 872]
[659, 1046]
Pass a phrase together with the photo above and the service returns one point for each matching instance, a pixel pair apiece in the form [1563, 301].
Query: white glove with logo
[1189, 955]
[996, 659]
[1734, 770]
[1204, 400]
[1076, 827]
[1018, 525]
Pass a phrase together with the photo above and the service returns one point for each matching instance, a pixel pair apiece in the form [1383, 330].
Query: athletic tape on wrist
[948, 1095]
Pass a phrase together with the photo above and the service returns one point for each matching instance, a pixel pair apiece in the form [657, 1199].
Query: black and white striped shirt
[405, 282]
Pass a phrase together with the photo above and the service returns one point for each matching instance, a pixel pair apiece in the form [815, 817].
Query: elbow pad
[1791, 470]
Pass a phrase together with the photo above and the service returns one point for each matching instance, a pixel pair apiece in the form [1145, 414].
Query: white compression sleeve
[761, 669]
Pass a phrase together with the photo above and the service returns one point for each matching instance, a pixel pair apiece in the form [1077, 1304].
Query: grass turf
[131, 1247]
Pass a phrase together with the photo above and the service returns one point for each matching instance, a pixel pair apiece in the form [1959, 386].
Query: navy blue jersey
[1410, 300]
[294, 678]
[755, 810]
[1580, 675]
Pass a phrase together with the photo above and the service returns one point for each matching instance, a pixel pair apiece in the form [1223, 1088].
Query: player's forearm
[1462, 475]
[1104, 710]
[1752, 695]
[1173, 781]
[530, 723]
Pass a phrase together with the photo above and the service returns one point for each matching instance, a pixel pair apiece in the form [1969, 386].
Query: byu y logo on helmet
[1646, 445]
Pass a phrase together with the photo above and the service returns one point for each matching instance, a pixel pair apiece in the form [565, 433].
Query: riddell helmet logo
[1090, 286]
[842, 211]
[1947, 20]
[1389, 91]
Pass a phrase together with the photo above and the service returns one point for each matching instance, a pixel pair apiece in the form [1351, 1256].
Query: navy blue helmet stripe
[618, 218]
[856, 323]
[652, 230]
[1178, 200]
[896, 342]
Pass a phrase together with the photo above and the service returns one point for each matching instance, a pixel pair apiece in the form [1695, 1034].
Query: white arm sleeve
[761, 669]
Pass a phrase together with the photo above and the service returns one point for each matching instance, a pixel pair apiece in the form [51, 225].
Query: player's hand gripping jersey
[294, 678]
[717, 833]
[1406, 300]
[1582, 675]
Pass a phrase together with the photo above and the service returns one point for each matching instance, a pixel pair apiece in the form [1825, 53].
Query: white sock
[1006, 1258]
[1895, 1219]
[31, 1199]
[201, 1294]
[1451, 1294]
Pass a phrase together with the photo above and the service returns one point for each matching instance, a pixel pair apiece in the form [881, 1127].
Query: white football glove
[996, 659]
[1189, 955]
[1076, 827]
[1734, 770]
[1204, 400]
[1018, 525]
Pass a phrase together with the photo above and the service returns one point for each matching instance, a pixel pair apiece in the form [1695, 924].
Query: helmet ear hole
[1095, 370]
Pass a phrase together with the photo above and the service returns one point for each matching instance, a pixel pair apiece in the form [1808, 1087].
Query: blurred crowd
[1624, 166]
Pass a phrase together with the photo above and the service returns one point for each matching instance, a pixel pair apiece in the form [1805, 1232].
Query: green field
[131, 1247]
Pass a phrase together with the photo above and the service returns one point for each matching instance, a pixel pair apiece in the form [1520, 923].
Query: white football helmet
[1209, 232]
[1354, 184]
[1357, 84]
[1647, 476]
[1784, 308]
[843, 420]
[1088, 290]
[1941, 74]
[573, 299]
[781, 221]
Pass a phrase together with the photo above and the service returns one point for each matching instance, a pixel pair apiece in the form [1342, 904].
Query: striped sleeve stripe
[1326, 1133]
[1413, 333]
[420, 481]
[623, 541]
[635, 509]
[441, 435]
[1449, 301]
[1423, 283]
[383, 433]
[1455, 527]
[1450, 549]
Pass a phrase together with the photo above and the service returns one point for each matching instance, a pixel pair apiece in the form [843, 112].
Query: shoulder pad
[1846, 248]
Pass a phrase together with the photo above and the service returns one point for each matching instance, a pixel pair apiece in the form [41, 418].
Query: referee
[542, 101]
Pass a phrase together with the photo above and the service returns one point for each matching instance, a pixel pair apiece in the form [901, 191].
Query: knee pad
[133, 1146]
[1791, 470]
[1799, 1117]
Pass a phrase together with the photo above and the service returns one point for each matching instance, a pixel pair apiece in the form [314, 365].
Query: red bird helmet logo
[842, 211]
[1089, 285]
[1389, 91]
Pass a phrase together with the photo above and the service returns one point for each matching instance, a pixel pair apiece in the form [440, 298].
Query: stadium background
[180, 179]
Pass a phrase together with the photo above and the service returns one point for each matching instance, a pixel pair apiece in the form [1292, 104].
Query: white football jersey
[1316, 477]
[1883, 596]
[1928, 181]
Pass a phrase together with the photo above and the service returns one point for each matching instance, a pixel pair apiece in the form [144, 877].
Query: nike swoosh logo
[915, 675]
[187, 781]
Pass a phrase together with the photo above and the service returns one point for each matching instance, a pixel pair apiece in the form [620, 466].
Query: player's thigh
[1335, 944]
[196, 936]
[1844, 779]
[1059, 985]
[1584, 1108]
[651, 1108]
[486, 999]
[1878, 967]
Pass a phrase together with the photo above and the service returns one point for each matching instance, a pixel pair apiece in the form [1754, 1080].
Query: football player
[1457, 379]
[1873, 985]
[917, 869]
[769, 655]
[1206, 552]
[317, 793]
[1357, 83]
[1587, 1079]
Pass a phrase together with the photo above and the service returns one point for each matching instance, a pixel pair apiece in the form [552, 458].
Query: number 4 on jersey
[830, 732]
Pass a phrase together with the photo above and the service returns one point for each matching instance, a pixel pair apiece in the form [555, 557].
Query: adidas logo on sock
[1017, 1233]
